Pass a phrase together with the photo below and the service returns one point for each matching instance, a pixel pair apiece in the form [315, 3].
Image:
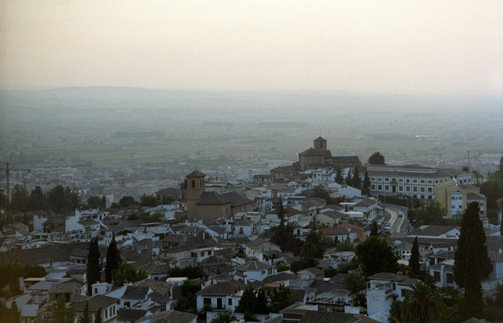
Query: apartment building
[412, 180]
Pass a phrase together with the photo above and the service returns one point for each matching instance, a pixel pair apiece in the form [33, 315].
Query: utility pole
[7, 179]
[7, 171]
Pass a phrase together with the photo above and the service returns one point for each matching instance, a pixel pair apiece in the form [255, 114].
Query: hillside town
[322, 238]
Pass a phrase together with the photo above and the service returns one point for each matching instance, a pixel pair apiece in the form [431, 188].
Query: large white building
[412, 180]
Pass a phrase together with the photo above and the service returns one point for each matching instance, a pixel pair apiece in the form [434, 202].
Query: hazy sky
[446, 47]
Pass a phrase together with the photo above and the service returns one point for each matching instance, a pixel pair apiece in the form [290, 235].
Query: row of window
[201, 254]
[110, 312]
[400, 188]
[404, 180]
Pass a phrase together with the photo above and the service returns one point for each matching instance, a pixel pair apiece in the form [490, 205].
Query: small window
[207, 301]
[229, 301]
[193, 183]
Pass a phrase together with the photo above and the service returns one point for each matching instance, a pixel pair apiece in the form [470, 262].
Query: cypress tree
[357, 182]
[85, 317]
[374, 232]
[93, 265]
[98, 319]
[471, 262]
[261, 303]
[113, 259]
[414, 259]
[338, 177]
[349, 180]
[472, 232]
[366, 184]
[247, 303]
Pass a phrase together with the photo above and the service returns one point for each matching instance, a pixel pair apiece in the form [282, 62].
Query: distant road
[397, 223]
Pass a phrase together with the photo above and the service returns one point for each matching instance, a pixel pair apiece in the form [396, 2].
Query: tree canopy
[471, 261]
[376, 158]
[375, 256]
[113, 260]
[93, 269]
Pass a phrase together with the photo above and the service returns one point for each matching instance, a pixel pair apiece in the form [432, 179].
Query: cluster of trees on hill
[10, 274]
[59, 199]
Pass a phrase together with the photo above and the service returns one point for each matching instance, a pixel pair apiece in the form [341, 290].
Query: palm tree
[224, 317]
[421, 305]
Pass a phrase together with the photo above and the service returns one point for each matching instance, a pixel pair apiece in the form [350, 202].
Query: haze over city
[427, 47]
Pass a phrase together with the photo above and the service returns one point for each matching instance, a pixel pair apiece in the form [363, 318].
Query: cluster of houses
[226, 231]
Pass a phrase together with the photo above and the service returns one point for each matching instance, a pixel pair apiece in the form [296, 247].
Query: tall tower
[320, 144]
[195, 186]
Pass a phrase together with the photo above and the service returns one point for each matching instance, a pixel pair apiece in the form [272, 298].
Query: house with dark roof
[220, 296]
[107, 306]
[254, 271]
[169, 317]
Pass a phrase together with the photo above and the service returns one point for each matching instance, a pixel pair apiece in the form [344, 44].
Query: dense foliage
[113, 260]
[472, 263]
[93, 269]
[59, 199]
[127, 273]
[190, 272]
[376, 158]
[10, 274]
[375, 256]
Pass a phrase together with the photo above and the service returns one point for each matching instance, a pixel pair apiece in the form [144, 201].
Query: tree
[422, 304]
[414, 260]
[349, 179]
[98, 319]
[127, 201]
[498, 294]
[314, 247]
[148, 200]
[56, 198]
[366, 184]
[95, 202]
[85, 316]
[62, 313]
[354, 281]
[113, 260]
[374, 231]
[187, 303]
[281, 298]
[376, 158]
[283, 234]
[261, 303]
[93, 269]
[128, 273]
[191, 272]
[338, 177]
[247, 303]
[224, 317]
[357, 181]
[19, 199]
[37, 200]
[471, 262]
[472, 233]
[375, 256]
[4, 203]
[10, 315]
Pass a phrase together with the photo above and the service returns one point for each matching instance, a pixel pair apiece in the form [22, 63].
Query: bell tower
[320, 144]
[195, 186]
